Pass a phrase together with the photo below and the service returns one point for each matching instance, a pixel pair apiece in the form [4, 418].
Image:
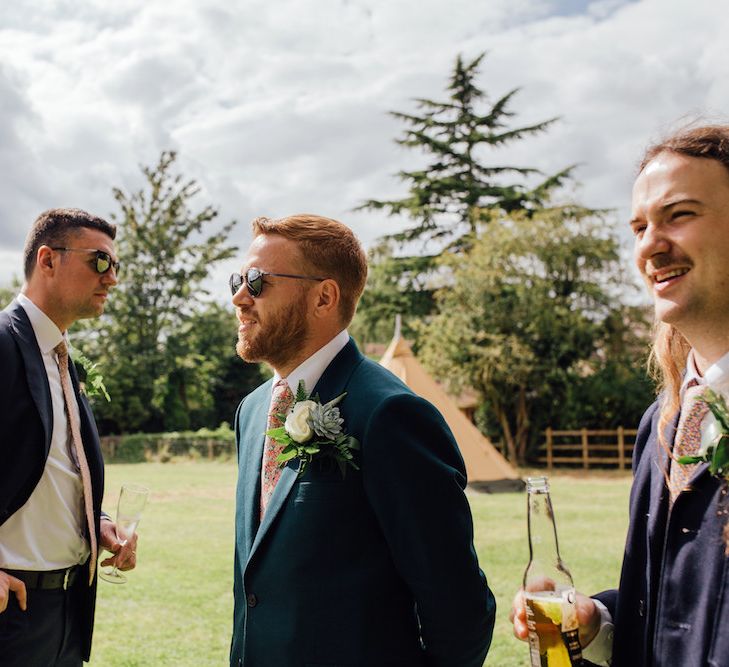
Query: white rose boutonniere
[314, 430]
[297, 423]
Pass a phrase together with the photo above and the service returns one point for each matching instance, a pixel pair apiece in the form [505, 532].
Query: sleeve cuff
[600, 649]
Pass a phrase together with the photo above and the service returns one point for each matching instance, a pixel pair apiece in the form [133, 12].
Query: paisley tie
[688, 438]
[281, 402]
[78, 454]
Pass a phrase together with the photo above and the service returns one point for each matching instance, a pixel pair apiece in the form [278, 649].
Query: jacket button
[251, 599]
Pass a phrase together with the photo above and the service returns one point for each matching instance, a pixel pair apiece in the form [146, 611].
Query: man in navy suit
[672, 605]
[371, 567]
[47, 577]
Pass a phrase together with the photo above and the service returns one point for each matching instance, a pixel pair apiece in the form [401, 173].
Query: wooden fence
[162, 447]
[584, 448]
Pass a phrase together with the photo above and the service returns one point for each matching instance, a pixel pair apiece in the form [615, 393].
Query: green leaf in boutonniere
[714, 447]
[314, 430]
[90, 377]
[714, 450]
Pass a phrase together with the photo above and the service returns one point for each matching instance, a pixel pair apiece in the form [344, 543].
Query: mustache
[661, 261]
[244, 312]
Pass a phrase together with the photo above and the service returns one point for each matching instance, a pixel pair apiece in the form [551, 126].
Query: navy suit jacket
[672, 607]
[377, 568]
[26, 423]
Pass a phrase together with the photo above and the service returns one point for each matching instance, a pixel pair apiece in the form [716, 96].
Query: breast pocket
[323, 482]
[323, 491]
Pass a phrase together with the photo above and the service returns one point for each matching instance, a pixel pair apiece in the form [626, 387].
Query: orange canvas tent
[486, 468]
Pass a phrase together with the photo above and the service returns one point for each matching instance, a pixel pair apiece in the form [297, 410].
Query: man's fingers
[517, 616]
[18, 587]
[11, 586]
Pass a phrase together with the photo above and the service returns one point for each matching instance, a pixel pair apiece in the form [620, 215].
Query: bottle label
[553, 629]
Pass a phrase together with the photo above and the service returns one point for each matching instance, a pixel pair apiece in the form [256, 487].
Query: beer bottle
[549, 593]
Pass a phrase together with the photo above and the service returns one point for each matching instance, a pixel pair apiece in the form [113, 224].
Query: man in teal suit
[372, 568]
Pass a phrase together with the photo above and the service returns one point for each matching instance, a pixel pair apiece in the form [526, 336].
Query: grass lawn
[176, 608]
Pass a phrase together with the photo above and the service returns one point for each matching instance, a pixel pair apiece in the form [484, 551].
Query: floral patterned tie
[688, 438]
[78, 454]
[281, 402]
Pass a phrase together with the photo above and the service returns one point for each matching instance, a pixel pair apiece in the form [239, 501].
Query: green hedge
[141, 447]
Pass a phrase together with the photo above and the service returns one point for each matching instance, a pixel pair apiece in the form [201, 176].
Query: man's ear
[327, 298]
[44, 259]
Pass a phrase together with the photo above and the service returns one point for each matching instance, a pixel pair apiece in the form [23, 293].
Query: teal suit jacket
[377, 568]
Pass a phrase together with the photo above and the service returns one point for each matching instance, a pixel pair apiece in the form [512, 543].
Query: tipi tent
[486, 468]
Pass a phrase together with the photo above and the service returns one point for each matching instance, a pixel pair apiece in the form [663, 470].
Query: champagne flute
[132, 500]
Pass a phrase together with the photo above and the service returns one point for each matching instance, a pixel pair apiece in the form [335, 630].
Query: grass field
[176, 608]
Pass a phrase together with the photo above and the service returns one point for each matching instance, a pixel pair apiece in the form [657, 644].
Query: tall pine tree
[446, 199]
[462, 188]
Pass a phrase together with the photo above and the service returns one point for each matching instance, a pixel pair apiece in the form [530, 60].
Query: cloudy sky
[281, 106]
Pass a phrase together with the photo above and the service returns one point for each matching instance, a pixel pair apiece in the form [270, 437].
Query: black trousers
[47, 634]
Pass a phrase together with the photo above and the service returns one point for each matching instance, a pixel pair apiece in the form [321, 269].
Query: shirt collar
[716, 375]
[46, 332]
[313, 368]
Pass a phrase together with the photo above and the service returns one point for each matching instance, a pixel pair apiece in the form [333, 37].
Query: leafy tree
[158, 374]
[615, 388]
[529, 316]
[214, 395]
[6, 296]
[446, 197]
[394, 286]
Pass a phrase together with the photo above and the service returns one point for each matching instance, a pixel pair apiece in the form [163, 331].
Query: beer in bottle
[549, 593]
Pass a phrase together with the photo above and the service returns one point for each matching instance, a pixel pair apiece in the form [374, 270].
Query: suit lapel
[332, 383]
[250, 454]
[659, 490]
[335, 378]
[276, 502]
[34, 368]
[89, 434]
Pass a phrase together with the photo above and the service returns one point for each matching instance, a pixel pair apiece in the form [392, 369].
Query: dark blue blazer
[26, 424]
[672, 607]
[377, 568]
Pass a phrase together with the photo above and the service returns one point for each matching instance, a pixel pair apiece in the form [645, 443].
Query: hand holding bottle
[588, 617]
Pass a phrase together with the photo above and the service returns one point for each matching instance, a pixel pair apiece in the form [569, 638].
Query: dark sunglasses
[102, 260]
[254, 280]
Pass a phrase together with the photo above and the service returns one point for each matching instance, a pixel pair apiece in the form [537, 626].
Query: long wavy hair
[670, 349]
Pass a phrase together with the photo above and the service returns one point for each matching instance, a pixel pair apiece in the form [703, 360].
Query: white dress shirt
[47, 533]
[313, 368]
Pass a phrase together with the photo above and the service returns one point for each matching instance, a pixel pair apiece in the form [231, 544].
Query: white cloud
[278, 107]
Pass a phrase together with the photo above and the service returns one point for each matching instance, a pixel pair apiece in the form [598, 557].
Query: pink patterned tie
[281, 403]
[78, 454]
[688, 438]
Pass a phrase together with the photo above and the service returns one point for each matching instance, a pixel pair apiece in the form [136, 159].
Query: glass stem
[115, 571]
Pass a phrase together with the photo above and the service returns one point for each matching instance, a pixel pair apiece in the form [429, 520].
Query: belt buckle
[66, 577]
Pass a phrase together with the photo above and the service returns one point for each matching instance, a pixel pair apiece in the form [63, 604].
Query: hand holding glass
[132, 500]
